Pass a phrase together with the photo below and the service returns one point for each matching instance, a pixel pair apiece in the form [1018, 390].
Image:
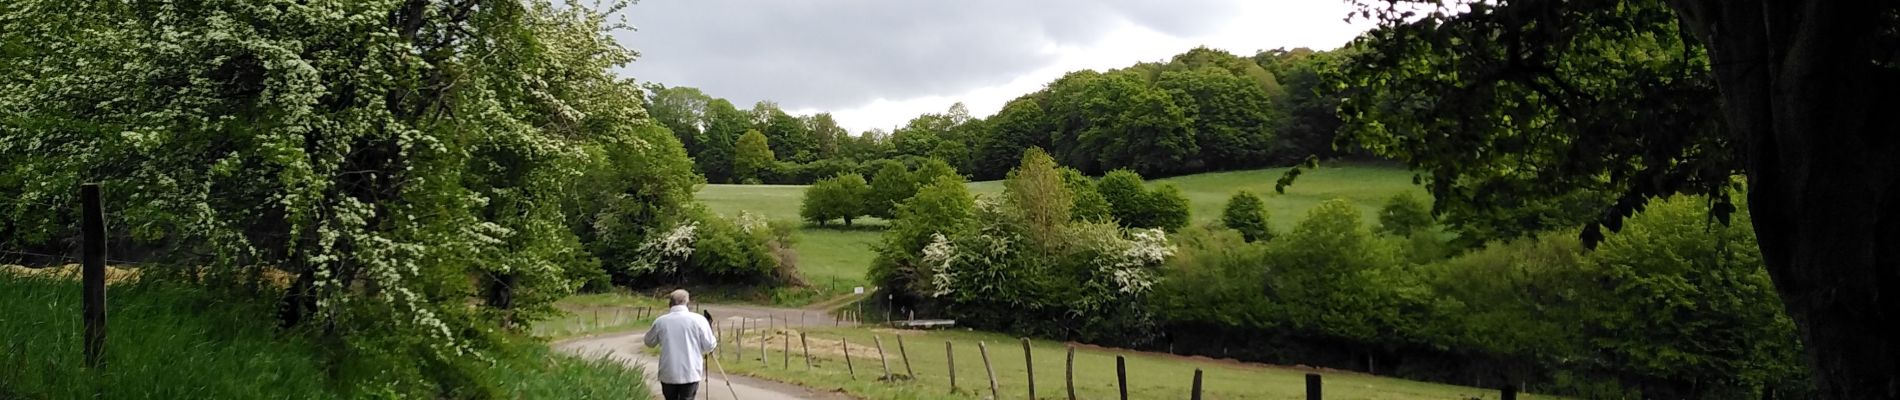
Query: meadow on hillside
[840, 256]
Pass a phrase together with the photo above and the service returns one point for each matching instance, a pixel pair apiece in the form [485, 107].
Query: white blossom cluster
[750, 222]
[939, 255]
[666, 252]
[1130, 263]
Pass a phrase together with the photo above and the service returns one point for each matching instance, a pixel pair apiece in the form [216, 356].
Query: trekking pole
[715, 360]
[728, 379]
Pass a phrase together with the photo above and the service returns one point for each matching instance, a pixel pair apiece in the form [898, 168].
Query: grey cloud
[831, 54]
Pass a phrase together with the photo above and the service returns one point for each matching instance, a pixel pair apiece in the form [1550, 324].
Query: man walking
[684, 338]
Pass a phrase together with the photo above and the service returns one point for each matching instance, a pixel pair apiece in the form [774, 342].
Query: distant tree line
[1203, 110]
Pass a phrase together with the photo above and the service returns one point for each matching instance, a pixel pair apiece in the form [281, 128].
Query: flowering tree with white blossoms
[401, 159]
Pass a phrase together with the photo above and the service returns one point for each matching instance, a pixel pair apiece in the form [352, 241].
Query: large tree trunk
[1812, 88]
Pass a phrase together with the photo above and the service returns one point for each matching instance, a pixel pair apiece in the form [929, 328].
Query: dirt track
[627, 348]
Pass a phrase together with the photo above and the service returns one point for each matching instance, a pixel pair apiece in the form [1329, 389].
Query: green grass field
[836, 259]
[1150, 375]
[829, 257]
[171, 341]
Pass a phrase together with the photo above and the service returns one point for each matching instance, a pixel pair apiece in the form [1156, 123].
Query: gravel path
[627, 348]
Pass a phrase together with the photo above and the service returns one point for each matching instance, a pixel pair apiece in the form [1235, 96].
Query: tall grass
[173, 341]
[163, 342]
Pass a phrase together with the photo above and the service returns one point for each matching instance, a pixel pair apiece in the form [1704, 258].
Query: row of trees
[416, 208]
[1121, 197]
[1669, 307]
[1202, 110]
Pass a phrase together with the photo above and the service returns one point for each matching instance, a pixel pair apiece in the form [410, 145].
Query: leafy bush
[889, 187]
[1134, 206]
[1246, 214]
[1090, 204]
[839, 197]
[1168, 208]
[1404, 214]
[1025, 254]
[707, 247]
[943, 208]
[1688, 303]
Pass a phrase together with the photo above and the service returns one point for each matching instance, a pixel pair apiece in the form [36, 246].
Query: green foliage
[1216, 279]
[631, 190]
[1617, 103]
[1230, 114]
[746, 250]
[1404, 214]
[1133, 205]
[1167, 208]
[839, 197]
[1018, 126]
[752, 157]
[930, 169]
[944, 207]
[171, 340]
[1336, 278]
[1116, 120]
[1246, 214]
[1035, 194]
[1090, 204]
[891, 185]
[1126, 196]
[717, 157]
[1705, 317]
[416, 206]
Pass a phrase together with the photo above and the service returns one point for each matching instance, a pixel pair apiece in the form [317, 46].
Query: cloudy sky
[878, 63]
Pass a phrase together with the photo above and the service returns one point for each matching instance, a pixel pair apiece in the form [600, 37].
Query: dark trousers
[682, 391]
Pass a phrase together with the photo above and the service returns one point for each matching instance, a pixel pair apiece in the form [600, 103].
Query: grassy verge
[1150, 375]
[588, 314]
[171, 341]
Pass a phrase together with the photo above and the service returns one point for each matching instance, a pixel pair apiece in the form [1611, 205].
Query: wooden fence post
[1029, 365]
[1197, 385]
[92, 275]
[985, 350]
[880, 357]
[901, 352]
[1069, 374]
[787, 356]
[765, 360]
[951, 356]
[802, 344]
[1313, 387]
[1121, 375]
[847, 358]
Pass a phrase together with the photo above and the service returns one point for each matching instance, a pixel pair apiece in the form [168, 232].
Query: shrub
[929, 169]
[1127, 199]
[1134, 206]
[1688, 302]
[1215, 278]
[839, 197]
[1335, 277]
[891, 185]
[1404, 214]
[1167, 208]
[1248, 215]
[1090, 205]
[945, 208]
[1035, 194]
